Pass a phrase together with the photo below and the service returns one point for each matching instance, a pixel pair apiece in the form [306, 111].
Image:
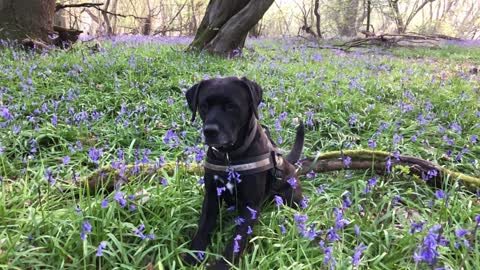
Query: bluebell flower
[253, 212]
[278, 200]
[347, 161]
[416, 227]
[220, 190]
[104, 203]
[86, 229]
[358, 254]
[100, 248]
[119, 197]
[236, 245]
[239, 221]
[164, 181]
[357, 230]
[372, 144]
[293, 182]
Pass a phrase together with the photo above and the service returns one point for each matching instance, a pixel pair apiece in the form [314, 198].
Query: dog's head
[225, 105]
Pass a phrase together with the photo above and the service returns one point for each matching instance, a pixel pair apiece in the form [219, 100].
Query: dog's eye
[203, 108]
[230, 107]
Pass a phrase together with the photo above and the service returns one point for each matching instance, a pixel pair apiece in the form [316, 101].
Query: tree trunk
[26, 18]
[348, 26]
[106, 19]
[397, 16]
[225, 25]
[317, 18]
[369, 14]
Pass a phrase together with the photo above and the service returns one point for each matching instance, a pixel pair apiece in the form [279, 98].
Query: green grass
[132, 95]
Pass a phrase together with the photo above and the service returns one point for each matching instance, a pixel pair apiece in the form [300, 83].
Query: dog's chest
[226, 188]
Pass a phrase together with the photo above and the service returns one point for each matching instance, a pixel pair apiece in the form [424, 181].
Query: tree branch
[62, 6]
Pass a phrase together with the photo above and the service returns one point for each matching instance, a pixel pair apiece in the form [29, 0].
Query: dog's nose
[211, 130]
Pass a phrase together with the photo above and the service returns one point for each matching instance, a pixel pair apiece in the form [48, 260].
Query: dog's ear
[255, 94]
[192, 98]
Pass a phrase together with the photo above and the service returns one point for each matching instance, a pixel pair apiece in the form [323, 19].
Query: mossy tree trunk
[225, 25]
[20, 19]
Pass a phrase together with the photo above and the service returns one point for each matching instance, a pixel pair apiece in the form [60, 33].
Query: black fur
[228, 109]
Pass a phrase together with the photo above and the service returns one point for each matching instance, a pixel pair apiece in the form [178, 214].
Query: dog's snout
[211, 130]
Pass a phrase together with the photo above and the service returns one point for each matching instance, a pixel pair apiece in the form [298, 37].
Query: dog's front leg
[207, 223]
[248, 217]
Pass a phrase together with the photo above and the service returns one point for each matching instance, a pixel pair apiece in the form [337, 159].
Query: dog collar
[247, 166]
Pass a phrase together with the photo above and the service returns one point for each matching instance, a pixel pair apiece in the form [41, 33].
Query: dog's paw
[218, 265]
[190, 260]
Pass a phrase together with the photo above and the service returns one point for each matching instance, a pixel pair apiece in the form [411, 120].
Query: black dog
[243, 166]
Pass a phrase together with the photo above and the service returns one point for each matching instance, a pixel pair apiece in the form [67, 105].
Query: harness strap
[251, 165]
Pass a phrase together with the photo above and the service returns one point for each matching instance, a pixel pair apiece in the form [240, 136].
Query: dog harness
[272, 160]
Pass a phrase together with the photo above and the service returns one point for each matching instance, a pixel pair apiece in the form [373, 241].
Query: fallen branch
[396, 39]
[108, 178]
[59, 6]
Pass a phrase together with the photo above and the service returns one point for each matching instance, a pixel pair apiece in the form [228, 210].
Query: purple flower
[372, 144]
[388, 165]
[200, 255]
[119, 197]
[311, 234]
[66, 160]
[236, 245]
[439, 194]
[100, 248]
[220, 190]
[164, 181]
[477, 219]
[473, 139]
[353, 119]
[357, 230]
[304, 202]
[104, 203]
[461, 232]
[456, 127]
[86, 229]
[311, 175]
[396, 199]
[139, 231]
[332, 235]
[233, 175]
[239, 221]
[49, 176]
[283, 230]
[253, 212]
[170, 136]
[427, 251]
[95, 154]
[249, 230]
[358, 254]
[328, 258]
[397, 138]
[300, 220]
[416, 227]
[346, 200]
[347, 161]
[283, 116]
[321, 189]
[293, 182]
[278, 200]
[340, 222]
[54, 120]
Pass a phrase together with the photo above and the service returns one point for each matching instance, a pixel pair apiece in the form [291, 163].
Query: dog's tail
[294, 155]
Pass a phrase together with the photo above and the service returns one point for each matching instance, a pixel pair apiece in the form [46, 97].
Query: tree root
[109, 177]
